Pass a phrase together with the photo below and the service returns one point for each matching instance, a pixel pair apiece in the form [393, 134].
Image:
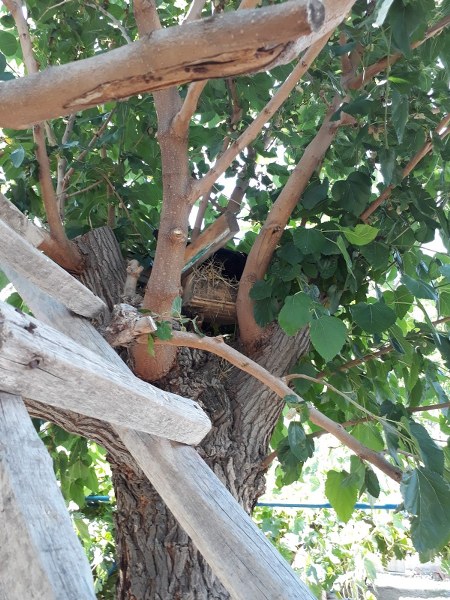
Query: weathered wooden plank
[222, 46]
[40, 555]
[12, 216]
[46, 274]
[41, 363]
[188, 487]
[210, 240]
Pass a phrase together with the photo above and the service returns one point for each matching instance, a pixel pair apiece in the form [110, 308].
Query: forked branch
[220, 348]
[442, 130]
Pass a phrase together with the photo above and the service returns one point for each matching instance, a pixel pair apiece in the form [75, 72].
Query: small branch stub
[127, 324]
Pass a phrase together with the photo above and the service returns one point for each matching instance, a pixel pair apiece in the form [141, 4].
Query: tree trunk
[156, 558]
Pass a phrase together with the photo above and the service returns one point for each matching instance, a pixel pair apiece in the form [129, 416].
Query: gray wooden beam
[41, 363]
[41, 557]
[46, 274]
[236, 550]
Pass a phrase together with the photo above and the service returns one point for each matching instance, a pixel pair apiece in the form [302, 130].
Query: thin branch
[113, 20]
[442, 130]
[220, 348]
[97, 135]
[195, 10]
[356, 82]
[224, 161]
[49, 198]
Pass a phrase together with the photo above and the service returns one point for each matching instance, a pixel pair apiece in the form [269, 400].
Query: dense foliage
[372, 282]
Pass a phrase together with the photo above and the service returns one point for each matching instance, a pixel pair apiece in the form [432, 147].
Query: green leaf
[360, 235]
[17, 156]
[163, 330]
[431, 454]
[315, 194]
[82, 529]
[444, 303]
[177, 306]
[368, 434]
[261, 290]
[300, 444]
[2, 62]
[8, 43]
[328, 335]
[373, 318]
[399, 24]
[295, 313]
[342, 247]
[372, 483]
[376, 254]
[151, 345]
[419, 289]
[400, 112]
[264, 311]
[353, 194]
[309, 241]
[427, 496]
[403, 300]
[341, 493]
[388, 164]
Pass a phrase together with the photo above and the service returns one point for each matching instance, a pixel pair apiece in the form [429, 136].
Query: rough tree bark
[156, 558]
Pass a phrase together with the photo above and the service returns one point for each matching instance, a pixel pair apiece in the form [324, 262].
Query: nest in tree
[209, 295]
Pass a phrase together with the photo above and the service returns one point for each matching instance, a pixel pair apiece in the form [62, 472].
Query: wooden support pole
[40, 555]
[237, 551]
[222, 46]
[39, 362]
[47, 275]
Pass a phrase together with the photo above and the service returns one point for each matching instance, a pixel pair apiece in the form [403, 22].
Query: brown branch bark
[220, 348]
[196, 88]
[225, 160]
[272, 230]
[442, 130]
[355, 82]
[196, 51]
[164, 284]
[68, 251]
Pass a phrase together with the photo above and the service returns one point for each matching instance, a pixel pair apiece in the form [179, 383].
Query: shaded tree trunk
[157, 560]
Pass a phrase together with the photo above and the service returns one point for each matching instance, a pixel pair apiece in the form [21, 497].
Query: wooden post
[41, 363]
[239, 554]
[46, 274]
[40, 555]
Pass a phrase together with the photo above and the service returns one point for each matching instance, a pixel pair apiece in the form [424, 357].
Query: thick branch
[225, 160]
[356, 82]
[442, 130]
[196, 51]
[220, 348]
[272, 230]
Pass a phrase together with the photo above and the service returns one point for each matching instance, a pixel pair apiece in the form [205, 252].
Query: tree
[335, 162]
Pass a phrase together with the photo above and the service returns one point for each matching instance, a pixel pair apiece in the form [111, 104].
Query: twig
[220, 348]
[356, 82]
[195, 10]
[442, 130]
[203, 185]
[265, 464]
[113, 20]
[82, 154]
